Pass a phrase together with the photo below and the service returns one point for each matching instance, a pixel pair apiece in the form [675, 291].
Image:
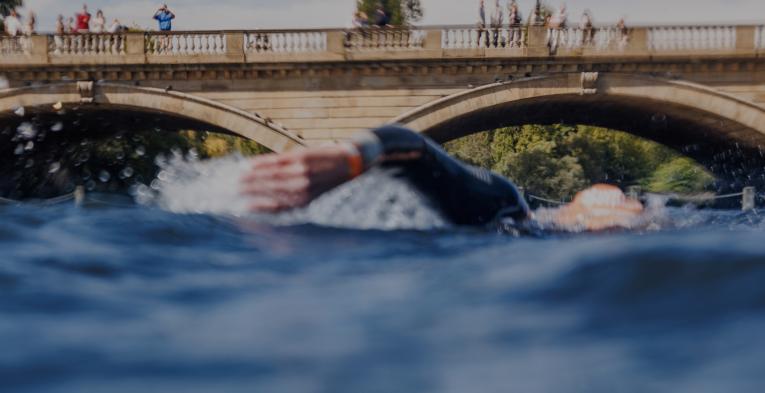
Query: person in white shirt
[13, 25]
[97, 25]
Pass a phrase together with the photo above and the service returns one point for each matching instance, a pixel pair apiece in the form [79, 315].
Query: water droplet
[90, 186]
[120, 155]
[104, 176]
[26, 130]
[58, 106]
[19, 149]
[126, 173]
[20, 111]
[86, 175]
[30, 146]
[30, 163]
[57, 127]
[140, 151]
[54, 167]
[163, 176]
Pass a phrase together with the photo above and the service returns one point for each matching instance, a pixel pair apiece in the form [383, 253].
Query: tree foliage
[557, 161]
[5, 8]
[401, 12]
[7, 5]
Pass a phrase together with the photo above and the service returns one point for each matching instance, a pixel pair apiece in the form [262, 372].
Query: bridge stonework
[290, 88]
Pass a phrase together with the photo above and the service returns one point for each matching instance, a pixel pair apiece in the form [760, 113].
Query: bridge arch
[190, 108]
[672, 112]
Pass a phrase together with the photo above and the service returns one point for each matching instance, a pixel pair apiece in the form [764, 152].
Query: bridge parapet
[427, 43]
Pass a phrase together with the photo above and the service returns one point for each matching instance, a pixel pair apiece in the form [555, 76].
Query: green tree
[401, 12]
[7, 5]
[5, 8]
[680, 175]
[555, 161]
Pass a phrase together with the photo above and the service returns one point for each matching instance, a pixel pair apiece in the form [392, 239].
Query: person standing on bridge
[514, 20]
[497, 19]
[83, 20]
[624, 33]
[586, 26]
[13, 25]
[482, 24]
[165, 17]
[98, 25]
[382, 19]
[31, 27]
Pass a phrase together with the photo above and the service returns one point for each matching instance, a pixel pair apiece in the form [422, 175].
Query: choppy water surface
[368, 291]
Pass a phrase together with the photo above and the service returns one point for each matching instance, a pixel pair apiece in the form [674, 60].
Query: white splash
[377, 200]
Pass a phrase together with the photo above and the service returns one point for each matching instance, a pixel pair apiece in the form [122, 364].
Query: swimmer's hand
[278, 182]
[600, 207]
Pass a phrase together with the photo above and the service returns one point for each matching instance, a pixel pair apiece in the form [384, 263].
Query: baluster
[732, 35]
[671, 43]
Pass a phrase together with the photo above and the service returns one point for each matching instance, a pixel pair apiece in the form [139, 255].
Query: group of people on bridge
[490, 29]
[81, 22]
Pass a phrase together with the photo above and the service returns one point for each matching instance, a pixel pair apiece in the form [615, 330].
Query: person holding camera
[164, 16]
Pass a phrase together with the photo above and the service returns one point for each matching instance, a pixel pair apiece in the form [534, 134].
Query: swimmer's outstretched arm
[466, 195]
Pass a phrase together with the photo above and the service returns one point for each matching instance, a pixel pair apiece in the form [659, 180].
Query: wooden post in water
[747, 200]
[633, 192]
[79, 195]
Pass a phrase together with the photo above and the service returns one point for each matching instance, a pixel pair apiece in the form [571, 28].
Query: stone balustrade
[10, 46]
[378, 44]
[185, 44]
[394, 39]
[87, 45]
[691, 38]
[276, 42]
[607, 38]
[475, 38]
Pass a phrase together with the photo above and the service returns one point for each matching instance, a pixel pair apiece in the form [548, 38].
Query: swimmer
[466, 195]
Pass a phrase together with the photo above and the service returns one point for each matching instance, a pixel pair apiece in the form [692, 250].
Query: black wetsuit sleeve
[466, 195]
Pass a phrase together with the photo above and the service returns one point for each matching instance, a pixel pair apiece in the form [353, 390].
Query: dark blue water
[138, 299]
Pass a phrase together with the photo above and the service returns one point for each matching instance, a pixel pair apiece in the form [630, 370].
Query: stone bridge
[678, 85]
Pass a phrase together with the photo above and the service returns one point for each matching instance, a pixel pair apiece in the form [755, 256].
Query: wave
[376, 200]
